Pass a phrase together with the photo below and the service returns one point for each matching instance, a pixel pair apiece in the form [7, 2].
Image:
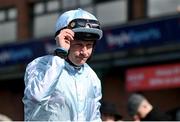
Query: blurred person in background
[63, 87]
[109, 112]
[140, 109]
[175, 113]
[4, 118]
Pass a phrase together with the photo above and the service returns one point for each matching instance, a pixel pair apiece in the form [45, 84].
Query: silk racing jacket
[57, 91]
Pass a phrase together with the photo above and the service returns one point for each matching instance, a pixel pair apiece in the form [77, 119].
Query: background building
[138, 53]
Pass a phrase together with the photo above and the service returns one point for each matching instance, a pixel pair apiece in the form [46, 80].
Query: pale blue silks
[56, 91]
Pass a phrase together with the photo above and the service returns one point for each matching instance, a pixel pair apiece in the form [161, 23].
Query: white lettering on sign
[164, 81]
[168, 71]
[132, 37]
[135, 77]
[15, 55]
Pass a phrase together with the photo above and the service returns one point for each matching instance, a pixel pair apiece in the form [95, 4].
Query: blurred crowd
[139, 108]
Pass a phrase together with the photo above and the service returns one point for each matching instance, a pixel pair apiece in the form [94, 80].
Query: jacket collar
[73, 69]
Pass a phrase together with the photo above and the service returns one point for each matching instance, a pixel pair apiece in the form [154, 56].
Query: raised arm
[41, 77]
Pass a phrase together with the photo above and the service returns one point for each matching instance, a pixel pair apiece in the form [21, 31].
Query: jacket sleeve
[97, 94]
[41, 77]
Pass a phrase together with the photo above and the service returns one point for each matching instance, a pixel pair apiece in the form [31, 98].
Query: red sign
[156, 77]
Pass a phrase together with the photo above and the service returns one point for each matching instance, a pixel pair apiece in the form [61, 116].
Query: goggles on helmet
[77, 23]
[85, 29]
